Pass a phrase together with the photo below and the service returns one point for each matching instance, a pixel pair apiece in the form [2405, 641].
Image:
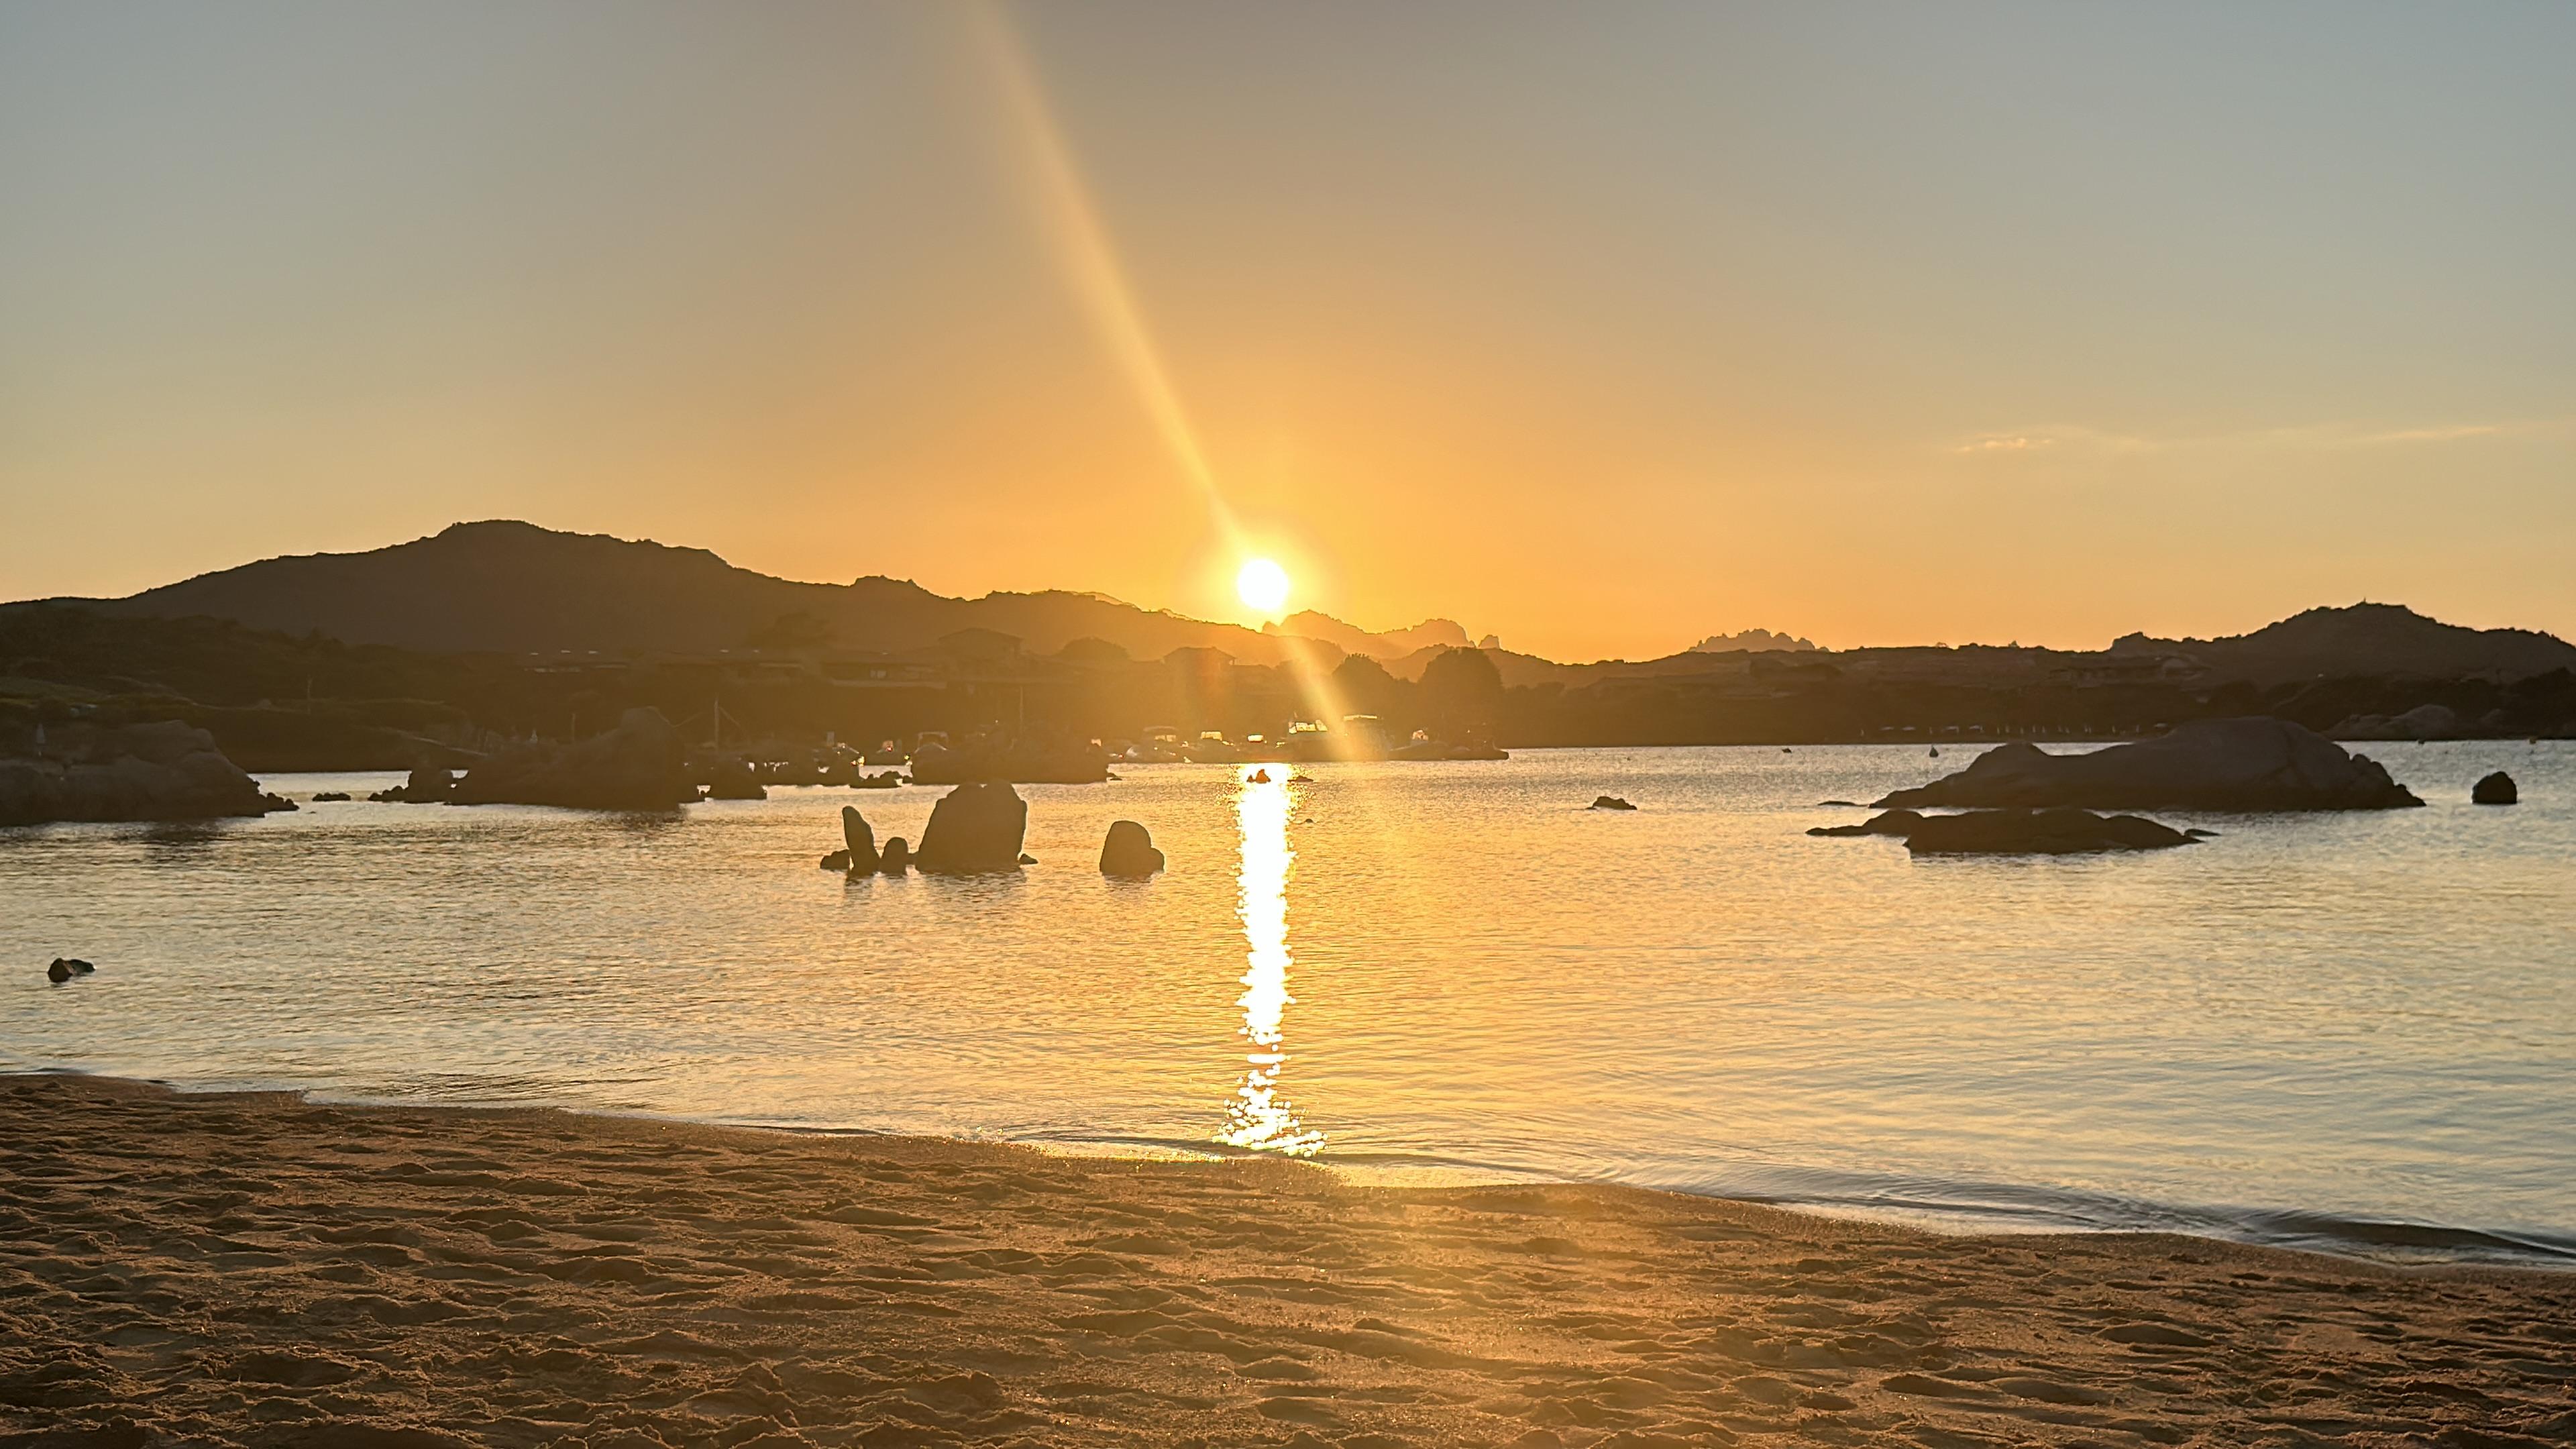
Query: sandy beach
[257, 1270]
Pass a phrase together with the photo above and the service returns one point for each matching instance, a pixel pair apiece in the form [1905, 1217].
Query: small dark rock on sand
[2495, 789]
[1610, 802]
[67, 967]
[1129, 850]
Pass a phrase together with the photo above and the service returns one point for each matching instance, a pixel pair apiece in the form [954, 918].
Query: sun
[1263, 585]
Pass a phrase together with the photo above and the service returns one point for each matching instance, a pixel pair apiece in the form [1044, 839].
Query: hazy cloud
[2314, 435]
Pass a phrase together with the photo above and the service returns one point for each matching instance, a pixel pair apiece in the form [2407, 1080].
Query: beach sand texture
[256, 1270]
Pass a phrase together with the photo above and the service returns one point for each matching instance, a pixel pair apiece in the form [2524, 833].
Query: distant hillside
[514, 588]
[2367, 640]
[1352, 639]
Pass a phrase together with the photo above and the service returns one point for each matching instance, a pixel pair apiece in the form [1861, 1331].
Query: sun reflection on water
[1259, 1116]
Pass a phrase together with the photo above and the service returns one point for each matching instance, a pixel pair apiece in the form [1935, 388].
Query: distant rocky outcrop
[2423, 722]
[2060, 831]
[2495, 789]
[975, 827]
[163, 771]
[1129, 850]
[861, 842]
[1609, 802]
[2233, 764]
[640, 765]
[1751, 641]
[1386, 644]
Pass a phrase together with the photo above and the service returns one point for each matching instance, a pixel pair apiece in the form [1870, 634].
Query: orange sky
[1599, 328]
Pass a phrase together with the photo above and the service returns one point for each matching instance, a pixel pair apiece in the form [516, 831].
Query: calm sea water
[2355, 1032]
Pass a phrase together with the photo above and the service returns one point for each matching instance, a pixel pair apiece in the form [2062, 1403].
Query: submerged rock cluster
[2060, 831]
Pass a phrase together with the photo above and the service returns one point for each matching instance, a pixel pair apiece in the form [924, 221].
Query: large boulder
[2228, 764]
[1129, 850]
[161, 771]
[975, 827]
[640, 765]
[861, 840]
[2495, 789]
[2037, 832]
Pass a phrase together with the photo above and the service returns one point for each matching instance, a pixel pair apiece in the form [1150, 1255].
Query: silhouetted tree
[1364, 687]
[1463, 693]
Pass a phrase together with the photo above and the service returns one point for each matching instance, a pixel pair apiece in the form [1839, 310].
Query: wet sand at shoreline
[258, 1270]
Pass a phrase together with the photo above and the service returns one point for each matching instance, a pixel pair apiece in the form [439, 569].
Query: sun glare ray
[1089, 257]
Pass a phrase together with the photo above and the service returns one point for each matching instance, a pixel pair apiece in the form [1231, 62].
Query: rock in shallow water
[975, 827]
[862, 841]
[1129, 850]
[640, 765]
[2060, 831]
[2495, 789]
[896, 858]
[1892, 822]
[64, 968]
[1609, 802]
[165, 771]
[2038, 832]
[2227, 764]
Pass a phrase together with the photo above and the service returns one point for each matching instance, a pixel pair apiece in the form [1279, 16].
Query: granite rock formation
[2257, 764]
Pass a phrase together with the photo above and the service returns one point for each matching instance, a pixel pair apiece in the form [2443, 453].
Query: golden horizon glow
[1526, 335]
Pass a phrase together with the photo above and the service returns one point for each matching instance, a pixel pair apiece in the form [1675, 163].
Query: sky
[1600, 328]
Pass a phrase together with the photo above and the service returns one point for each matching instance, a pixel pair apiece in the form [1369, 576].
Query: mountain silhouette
[1432, 634]
[2366, 639]
[513, 587]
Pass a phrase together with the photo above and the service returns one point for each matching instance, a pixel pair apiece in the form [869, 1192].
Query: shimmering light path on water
[2305, 1027]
